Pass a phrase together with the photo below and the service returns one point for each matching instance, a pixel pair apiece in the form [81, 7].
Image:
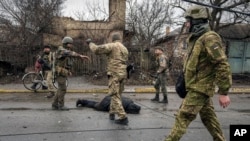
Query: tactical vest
[159, 60]
[47, 58]
[62, 61]
[47, 61]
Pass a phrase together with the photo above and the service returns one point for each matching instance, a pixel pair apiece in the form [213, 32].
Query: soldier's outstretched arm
[73, 54]
[84, 57]
[100, 49]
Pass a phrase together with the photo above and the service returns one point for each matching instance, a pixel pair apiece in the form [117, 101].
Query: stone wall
[65, 26]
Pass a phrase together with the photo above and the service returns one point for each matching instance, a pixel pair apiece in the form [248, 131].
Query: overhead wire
[217, 7]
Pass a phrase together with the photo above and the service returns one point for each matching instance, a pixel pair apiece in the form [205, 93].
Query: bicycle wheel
[32, 81]
[55, 84]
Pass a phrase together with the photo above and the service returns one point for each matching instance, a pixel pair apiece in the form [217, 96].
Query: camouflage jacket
[117, 55]
[64, 57]
[161, 62]
[206, 65]
[46, 61]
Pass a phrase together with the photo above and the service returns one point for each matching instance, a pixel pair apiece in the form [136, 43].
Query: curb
[234, 90]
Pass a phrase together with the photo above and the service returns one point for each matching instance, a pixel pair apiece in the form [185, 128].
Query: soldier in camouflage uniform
[63, 64]
[160, 82]
[205, 65]
[117, 55]
[46, 61]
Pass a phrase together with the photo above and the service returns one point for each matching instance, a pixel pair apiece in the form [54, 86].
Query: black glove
[88, 41]
[41, 61]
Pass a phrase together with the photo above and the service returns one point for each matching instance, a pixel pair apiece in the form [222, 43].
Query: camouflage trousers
[193, 104]
[61, 91]
[49, 79]
[161, 83]
[116, 87]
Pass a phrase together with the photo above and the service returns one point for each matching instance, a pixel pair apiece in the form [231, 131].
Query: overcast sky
[71, 6]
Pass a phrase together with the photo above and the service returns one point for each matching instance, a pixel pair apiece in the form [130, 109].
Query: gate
[239, 57]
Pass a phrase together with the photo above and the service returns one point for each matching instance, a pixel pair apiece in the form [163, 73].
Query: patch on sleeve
[217, 52]
[215, 46]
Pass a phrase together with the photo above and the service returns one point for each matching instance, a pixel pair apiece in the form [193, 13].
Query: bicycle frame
[38, 78]
[44, 81]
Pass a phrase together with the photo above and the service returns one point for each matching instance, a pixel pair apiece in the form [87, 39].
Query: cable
[216, 7]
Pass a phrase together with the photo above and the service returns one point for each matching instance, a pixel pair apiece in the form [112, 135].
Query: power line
[216, 7]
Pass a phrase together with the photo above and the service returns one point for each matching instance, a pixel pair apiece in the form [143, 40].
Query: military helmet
[67, 39]
[116, 37]
[159, 47]
[197, 12]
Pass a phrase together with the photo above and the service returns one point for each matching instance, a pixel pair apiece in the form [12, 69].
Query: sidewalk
[80, 85]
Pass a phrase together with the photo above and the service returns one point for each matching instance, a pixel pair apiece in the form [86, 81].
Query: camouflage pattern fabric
[117, 55]
[116, 87]
[205, 66]
[47, 58]
[193, 104]
[49, 79]
[61, 91]
[160, 82]
[161, 62]
[63, 65]
[64, 57]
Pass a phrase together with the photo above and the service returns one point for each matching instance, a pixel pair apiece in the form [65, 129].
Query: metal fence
[23, 58]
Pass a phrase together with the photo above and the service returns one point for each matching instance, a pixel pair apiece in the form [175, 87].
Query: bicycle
[30, 78]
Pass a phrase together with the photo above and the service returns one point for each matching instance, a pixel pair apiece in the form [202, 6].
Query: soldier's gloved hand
[88, 41]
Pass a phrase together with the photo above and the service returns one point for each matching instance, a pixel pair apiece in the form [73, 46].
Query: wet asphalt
[29, 117]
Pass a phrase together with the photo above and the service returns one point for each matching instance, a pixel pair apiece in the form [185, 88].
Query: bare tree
[221, 14]
[148, 19]
[229, 18]
[26, 19]
[93, 11]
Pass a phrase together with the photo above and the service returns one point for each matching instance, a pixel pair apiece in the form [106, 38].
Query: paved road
[28, 117]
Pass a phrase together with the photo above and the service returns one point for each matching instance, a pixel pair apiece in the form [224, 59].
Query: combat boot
[156, 99]
[165, 100]
[112, 116]
[123, 121]
[54, 107]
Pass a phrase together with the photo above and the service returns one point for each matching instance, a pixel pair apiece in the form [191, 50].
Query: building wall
[65, 26]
